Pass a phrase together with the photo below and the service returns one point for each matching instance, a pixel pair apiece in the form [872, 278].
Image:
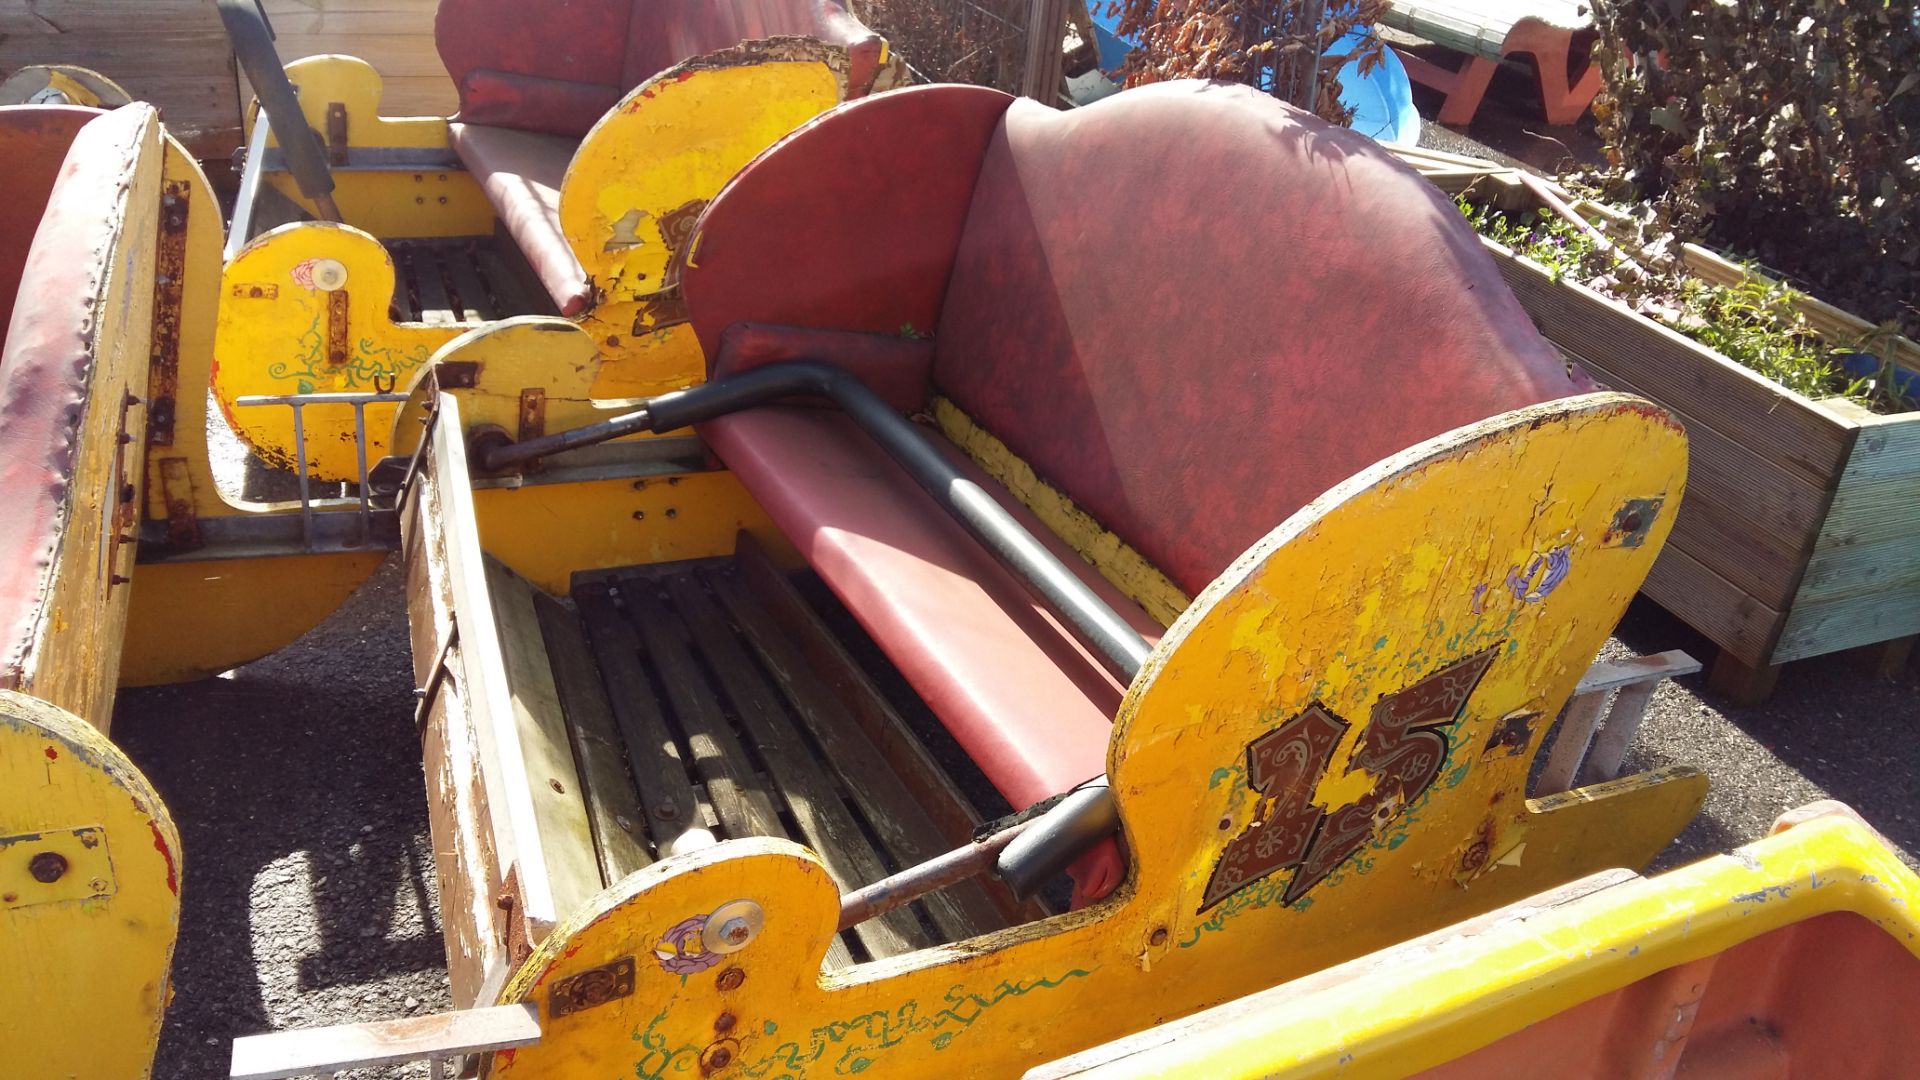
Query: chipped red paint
[52, 754]
[504, 1057]
[160, 845]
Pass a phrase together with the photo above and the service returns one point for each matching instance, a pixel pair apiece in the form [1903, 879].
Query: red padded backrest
[48, 358]
[559, 65]
[33, 142]
[1194, 309]
[848, 223]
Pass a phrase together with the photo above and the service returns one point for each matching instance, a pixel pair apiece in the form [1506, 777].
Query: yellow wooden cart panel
[89, 900]
[1381, 668]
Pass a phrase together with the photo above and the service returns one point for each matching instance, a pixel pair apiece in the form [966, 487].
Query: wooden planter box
[1800, 530]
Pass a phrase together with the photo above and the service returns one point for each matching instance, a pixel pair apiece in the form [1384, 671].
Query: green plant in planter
[1754, 323]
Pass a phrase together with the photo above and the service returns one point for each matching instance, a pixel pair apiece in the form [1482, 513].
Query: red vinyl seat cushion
[1032, 708]
[521, 172]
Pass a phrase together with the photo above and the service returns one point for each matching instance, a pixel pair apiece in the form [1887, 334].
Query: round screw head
[731, 979]
[735, 932]
[48, 867]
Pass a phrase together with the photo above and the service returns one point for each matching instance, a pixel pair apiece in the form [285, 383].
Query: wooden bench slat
[560, 813]
[653, 754]
[816, 807]
[904, 828]
[906, 756]
[740, 798]
[613, 803]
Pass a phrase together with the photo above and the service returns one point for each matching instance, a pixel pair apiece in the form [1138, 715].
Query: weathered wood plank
[1862, 582]
[740, 798]
[653, 753]
[181, 65]
[809, 795]
[1773, 423]
[950, 810]
[560, 811]
[384, 1042]
[613, 803]
[906, 831]
[465, 861]
[1712, 605]
[906, 757]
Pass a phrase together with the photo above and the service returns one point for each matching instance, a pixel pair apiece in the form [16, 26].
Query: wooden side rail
[1599, 721]
[432, 1038]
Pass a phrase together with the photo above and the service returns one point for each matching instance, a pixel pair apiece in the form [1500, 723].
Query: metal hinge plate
[54, 866]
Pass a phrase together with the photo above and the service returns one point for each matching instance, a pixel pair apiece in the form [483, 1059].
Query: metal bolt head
[98, 885]
[732, 926]
[1158, 937]
[731, 979]
[48, 867]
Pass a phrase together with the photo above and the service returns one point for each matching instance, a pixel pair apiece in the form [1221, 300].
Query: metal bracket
[594, 986]
[336, 133]
[54, 866]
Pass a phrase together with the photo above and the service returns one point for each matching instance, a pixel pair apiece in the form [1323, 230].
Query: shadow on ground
[308, 869]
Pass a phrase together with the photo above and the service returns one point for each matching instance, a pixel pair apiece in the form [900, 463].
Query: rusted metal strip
[170, 267]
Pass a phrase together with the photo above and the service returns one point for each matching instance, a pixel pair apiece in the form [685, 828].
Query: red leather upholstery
[794, 244]
[1031, 707]
[521, 172]
[1189, 307]
[898, 369]
[1194, 309]
[47, 359]
[33, 143]
[557, 67]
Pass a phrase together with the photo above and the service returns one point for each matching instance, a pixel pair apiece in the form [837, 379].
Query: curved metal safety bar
[1086, 815]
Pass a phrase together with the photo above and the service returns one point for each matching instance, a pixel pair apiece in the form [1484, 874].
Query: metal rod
[360, 453]
[1089, 814]
[955, 866]
[1112, 640]
[300, 458]
[501, 458]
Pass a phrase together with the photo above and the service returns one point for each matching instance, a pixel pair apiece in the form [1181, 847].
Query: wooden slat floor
[695, 699]
[463, 279]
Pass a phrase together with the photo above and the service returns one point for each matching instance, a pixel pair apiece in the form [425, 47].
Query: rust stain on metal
[337, 347]
[533, 413]
[676, 225]
[170, 268]
[336, 133]
[594, 986]
[176, 485]
[1631, 523]
[659, 311]
[456, 374]
[1514, 734]
[718, 1055]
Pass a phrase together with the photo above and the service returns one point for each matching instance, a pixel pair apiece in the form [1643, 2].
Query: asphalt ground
[308, 868]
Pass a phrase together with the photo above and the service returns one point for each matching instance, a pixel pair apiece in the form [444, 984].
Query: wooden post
[1046, 32]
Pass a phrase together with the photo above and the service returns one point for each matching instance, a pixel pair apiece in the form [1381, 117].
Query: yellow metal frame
[630, 197]
[87, 954]
[200, 613]
[1474, 990]
[1361, 598]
